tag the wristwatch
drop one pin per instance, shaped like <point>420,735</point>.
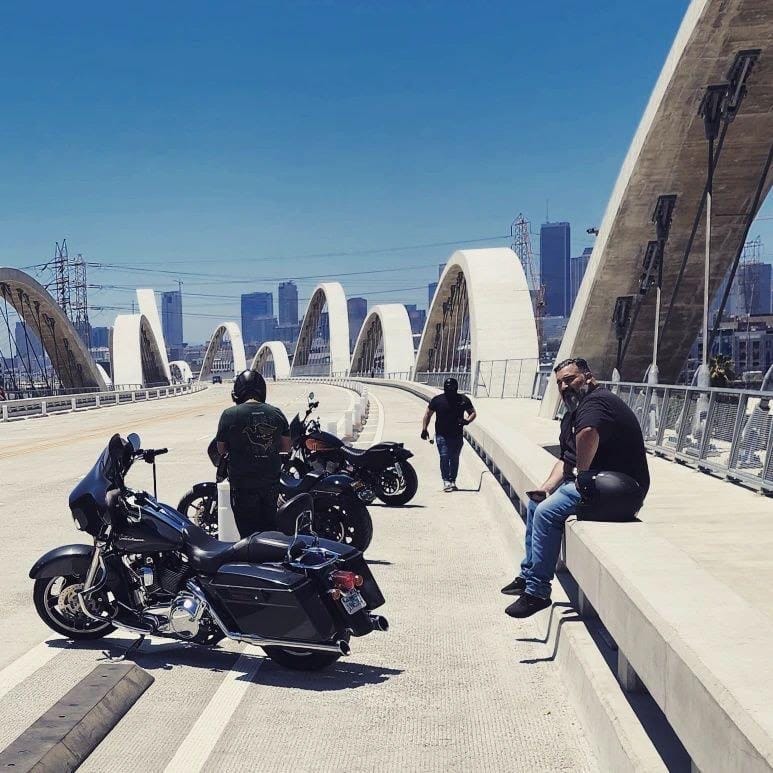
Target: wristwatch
<point>575,472</point>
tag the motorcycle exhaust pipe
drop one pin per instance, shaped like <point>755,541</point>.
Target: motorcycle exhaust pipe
<point>379,623</point>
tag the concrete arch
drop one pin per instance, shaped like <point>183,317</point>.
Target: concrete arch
<point>67,353</point>
<point>271,360</point>
<point>135,355</point>
<point>323,342</point>
<point>496,323</point>
<point>668,155</point>
<point>146,299</point>
<point>385,342</point>
<point>237,348</point>
<point>181,371</point>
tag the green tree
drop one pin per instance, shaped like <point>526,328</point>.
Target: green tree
<point>721,371</point>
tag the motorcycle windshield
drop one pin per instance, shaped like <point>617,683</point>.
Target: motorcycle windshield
<point>106,474</point>
<point>296,427</point>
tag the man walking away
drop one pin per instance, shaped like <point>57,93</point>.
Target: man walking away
<point>253,433</point>
<point>450,421</point>
<point>599,432</point>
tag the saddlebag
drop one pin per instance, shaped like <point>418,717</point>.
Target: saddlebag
<point>271,602</point>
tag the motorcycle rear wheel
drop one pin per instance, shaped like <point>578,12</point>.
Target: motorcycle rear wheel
<point>401,495</point>
<point>347,521</point>
<point>302,660</point>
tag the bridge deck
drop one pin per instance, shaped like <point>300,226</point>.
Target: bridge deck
<point>447,688</point>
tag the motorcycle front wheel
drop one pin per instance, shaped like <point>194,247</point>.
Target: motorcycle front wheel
<point>200,509</point>
<point>345,520</point>
<point>56,602</point>
<point>395,492</point>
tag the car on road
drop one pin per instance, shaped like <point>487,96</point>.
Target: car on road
<point>217,379</point>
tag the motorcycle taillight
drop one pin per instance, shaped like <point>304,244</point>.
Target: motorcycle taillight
<point>346,580</point>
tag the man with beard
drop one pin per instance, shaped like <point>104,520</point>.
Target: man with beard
<point>450,421</point>
<point>598,432</point>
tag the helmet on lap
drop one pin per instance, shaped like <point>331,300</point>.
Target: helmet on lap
<point>608,496</point>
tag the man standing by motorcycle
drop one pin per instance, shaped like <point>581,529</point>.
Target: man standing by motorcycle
<point>450,421</point>
<point>253,434</point>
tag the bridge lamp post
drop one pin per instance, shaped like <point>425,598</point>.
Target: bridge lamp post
<point>712,109</point>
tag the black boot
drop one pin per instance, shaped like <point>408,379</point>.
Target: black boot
<point>527,605</point>
<point>515,588</point>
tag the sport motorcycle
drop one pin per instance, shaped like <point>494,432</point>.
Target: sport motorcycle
<point>151,571</point>
<point>380,472</point>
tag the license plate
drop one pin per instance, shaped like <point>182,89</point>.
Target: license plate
<point>353,601</point>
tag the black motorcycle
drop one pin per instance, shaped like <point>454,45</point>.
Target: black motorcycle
<point>151,571</point>
<point>339,514</point>
<point>381,471</point>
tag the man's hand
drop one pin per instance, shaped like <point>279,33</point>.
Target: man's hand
<point>424,434</point>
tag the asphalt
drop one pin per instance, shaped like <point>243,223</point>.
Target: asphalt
<point>454,685</point>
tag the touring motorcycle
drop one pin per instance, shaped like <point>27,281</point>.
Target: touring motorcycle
<point>151,571</point>
<point>339,514</point>
<point>381,471</point>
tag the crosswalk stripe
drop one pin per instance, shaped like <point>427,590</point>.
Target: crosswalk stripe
<point>23,667</point>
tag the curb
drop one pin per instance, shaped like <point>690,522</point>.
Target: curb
<point>62,738</point>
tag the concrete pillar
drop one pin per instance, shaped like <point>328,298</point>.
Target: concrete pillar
<point>348,424</point>
<point>43,408</point>
<point>5,413</point>
<point>117,398</point>
<point>134,397</point>
<point>97,402</point>
<point>332,427</point>
<point>626,675</point>
<point>72,403</point>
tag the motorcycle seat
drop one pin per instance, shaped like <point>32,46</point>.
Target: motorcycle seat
<point>349,451</point>
<point>207,555</point>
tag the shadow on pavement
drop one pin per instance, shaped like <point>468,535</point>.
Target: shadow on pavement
<point>167,655</point>
<point>575,618</point>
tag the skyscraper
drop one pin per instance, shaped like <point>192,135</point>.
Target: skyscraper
<point>256,306</point>
<point>358,310</point>
<point>418,318</point>
<point>172,317</point>
<point>288,304</point>
<point>753,281</point>
<point>577,268</point>
<point>431,287</point>
<point>28,345</point>
<point>554,247</point>
<point>100,337</point>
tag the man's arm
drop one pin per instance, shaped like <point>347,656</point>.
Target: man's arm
<point>587,444</point>
<point>555,479</point>
<point>222,433</point>
<point>425,423</point>
<point>222,448</point>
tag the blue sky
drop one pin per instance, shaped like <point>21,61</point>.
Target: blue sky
<point>244,139</point>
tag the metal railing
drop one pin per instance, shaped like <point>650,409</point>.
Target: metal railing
<point>437,379</point>
<point>506,378</point>
<point>11,410</point>
<point>28,392</point>
<point>725,431</point>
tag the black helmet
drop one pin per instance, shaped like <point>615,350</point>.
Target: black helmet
<point>249,384</point>
<point>608,496</point>
<point>450,385</point>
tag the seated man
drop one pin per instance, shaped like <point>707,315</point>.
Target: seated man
<point>598,432</point>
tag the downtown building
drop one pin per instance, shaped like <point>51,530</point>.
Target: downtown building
<point>358,310</point>
<point>554,247</point>
<point>289,326</point>
<point>172,318</point>
<point>258,321</point>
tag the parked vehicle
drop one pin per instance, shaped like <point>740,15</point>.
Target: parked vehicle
<point>152,571</point>
<point>339,514</point>
<point>381,471</point>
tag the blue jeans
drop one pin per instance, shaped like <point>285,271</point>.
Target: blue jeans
<point>449,448</point>
<point>544,529</point>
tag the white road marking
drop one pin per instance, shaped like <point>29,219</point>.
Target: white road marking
<point>22,668</point>
<point>204,437</point>
<point>380,424</point>
<point>195,749</point>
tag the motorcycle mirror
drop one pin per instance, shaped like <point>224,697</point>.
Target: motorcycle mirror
<point>134,441</point>
<point>311,395</point>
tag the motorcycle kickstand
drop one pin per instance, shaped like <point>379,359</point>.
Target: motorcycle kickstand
<point>132,648</point>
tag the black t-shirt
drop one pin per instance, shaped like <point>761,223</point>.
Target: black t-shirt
<point>621,445</point>
<point>448,413</point>
<point>252,431</point>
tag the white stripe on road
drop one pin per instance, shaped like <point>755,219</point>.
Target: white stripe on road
<point>25,666</point>
<point>194,751</point>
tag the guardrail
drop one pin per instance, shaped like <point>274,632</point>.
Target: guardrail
<point>506,378</point>
<point>725,431</point>
<point>351,423</point>
<point>36,392</point>
<point>437,379</point>
<point>11,410</point>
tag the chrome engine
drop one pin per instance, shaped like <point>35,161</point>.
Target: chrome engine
<point>185,615</point>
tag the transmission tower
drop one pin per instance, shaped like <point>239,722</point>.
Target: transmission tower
<point>59,281</point>
<point>520,232</point>
<point>80,309</point>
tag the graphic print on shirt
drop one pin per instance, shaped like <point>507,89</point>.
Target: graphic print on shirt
<point>260,434</point>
